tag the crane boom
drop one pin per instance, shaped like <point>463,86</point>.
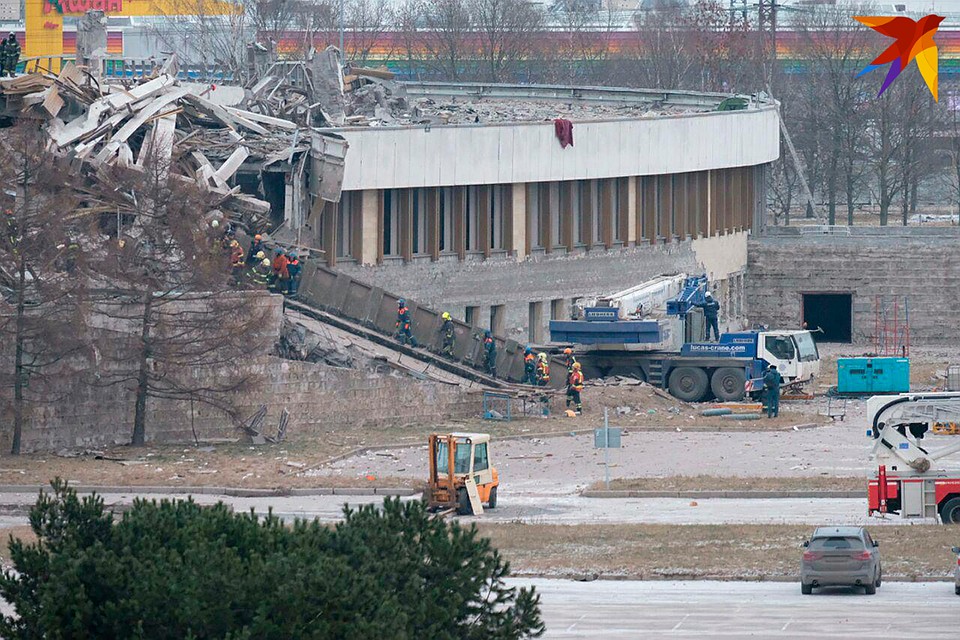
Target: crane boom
<point>894,417</point>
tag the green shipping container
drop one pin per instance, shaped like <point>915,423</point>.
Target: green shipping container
<point>873,375</point>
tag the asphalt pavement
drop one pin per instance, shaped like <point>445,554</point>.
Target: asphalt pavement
<point>560,509</point>
<point>701,609</point>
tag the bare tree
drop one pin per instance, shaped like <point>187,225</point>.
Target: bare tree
<point>164,280</point>
<point>447,38</point>
<point>40,272</point>
<point>507,30</point>
<point>208,35</point>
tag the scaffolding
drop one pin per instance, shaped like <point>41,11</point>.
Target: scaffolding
<point>891,335</point>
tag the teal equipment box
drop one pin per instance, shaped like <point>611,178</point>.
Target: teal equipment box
<point>873,375</point>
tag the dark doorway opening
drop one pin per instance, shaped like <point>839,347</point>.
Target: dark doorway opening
<point>832,313</point>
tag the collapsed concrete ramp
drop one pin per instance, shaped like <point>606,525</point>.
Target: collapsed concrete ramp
<point>371,313</point>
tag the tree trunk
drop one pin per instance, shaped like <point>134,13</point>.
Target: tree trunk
<point>143,382</point>
<point>18,367</point>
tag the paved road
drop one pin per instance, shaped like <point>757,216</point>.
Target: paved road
<point>630,609</point>
<point>567,509</point>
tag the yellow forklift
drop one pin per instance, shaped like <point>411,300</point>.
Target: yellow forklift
<point>462,477</point>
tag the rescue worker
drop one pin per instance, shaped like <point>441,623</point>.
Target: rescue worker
<point>404,335</point>
<point>711,311</point>
<point>569,360</point>
<point>236,260</point>
<point>11,55</point>
<point>255,247</point>
<point>543,370</point>
<point>574,387</point>
<point>771,386</point>
<point>448,335</point>
<point>280,272</point>
<point>293,270</point>
<point>260,273</point>
<point>529,367</point>
<point>489,353</point>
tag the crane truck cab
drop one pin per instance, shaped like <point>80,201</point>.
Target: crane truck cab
<point>462,476</point>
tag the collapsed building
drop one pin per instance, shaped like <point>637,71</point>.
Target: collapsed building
<point>502,204</point>
<point>462,197</point>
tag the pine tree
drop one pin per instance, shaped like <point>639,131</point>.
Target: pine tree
<point>174,569</point>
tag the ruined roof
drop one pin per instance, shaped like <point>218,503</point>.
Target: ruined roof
<point>394,103</point>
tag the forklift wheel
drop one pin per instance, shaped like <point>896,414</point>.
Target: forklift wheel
<point>463,503</point>
<point>492,502</point>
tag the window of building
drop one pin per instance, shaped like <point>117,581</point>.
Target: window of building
<point>391,222</point>
<point>418,220</point>
<point>445,204</point>
<point>495,216</point>
<point>344,235</point>
<point>534,216</point>
<point>556,224</point>
<point>535,322</point>
<point>618,189</point>
<point>497,318</point>
<point>577,188</point>
<point>470,315</point>
<point>471,197</point>
<point>596,210</point>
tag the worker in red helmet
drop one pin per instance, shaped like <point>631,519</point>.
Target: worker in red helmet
<point>255,247</point>
<point>569,360</point>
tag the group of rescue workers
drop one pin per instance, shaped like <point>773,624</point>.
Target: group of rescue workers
<point>9,55</point>
<point>253,267</point>
<point>536,367</point>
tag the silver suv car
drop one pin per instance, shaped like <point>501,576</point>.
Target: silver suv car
<point>840,556</point>
<point>956,572</point>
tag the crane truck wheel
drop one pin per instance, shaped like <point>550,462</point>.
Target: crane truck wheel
<point>492,502</point>
<point>463,503</point>
<point>950,512</point>
<point>689,384</point>
<point>727,383</point>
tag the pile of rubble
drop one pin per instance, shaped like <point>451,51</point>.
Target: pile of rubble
<point>158,120</point>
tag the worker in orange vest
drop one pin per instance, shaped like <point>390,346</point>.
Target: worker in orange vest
<point>404,333</point>
<point>529,367</point>
<point>569,359</point>
<point>543,370</point>
<point>574,387</point>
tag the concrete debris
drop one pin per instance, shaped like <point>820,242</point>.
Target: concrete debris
<point>157,118</point>
<point>376,101</point>
<point>299,343</point>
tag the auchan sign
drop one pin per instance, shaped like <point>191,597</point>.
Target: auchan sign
<point>82,6</point>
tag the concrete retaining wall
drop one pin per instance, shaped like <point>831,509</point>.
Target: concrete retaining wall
<point>917,263</point>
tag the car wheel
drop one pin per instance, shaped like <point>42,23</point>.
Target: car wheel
<point>492,502</point>
<point>806,589</point>
<point>870,589</point>
<point>956,589</point>
<point>950,513</point>
<point>879,578</point>
<point>464,508</point>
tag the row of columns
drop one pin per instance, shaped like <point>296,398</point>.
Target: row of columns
<point>653,209</point>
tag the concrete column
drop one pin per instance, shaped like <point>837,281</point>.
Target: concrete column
<point>631,212</point>
<point>369,226</point>
<point>518,223</point>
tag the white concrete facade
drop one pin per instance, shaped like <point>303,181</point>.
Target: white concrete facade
<point>501,153</point>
